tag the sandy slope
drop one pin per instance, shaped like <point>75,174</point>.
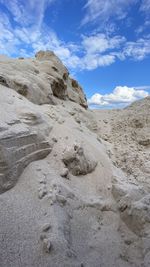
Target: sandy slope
<point>86,202</point>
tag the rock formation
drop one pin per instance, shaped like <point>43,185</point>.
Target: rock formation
<point>41,79</point>
<point>74,183</point>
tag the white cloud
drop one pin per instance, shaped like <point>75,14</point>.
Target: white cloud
<point>27,13</point>
<point>29,23</point>
<point>121,95</point>
<point>103,10</point>
<point>145,26</point>
<point>19,40</point>
<point>145,6</point>
<point>100,43</point>
<point>144,87</point>
<point>96,51</point>
<point>30,34</point>
<point>93,61</point>
<point>137,50</point>
<point>4,19</point>
<point>8,41</point>
<point>92,51</point>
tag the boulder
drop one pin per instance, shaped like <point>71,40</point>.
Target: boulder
<point>79,161</point>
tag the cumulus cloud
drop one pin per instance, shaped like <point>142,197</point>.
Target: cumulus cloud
<point>98,51</point>
<point>100,43</point>
<point>121,96</point>
<point>25,37</point>
<point>103,50</point>
<point>82,56</point>
<point>93,61</point>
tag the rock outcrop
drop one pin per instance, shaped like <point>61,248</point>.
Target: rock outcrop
<point>21,139</point>
<point>42,80</point>
<point>74,183</point>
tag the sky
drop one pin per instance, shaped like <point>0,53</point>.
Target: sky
<point>105,44</point>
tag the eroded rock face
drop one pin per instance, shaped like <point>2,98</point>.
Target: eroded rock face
<point>76,94</point>
<point>21,140</point>
<point>59,88</point>
<point>42,80</point>
<point>16,152</point>
<point>78,161</point>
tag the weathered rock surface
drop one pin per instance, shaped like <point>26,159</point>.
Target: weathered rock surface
<point>42,79</point>
<point>21,140</point>
<point>79,179</point>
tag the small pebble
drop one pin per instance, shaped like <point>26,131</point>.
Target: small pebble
<point>42,236</point>
<point>64,173</point>
<point>72,113</point>
<point>70,254</point>
<point>54,139</point>
<point>78,120</point>
<point>42,180</point>
<point>42,192</point>
<point>128,242</point>
<point>51,202</point>
<point>61,199</point>
<point>47,245</point>
<point>46,227</point>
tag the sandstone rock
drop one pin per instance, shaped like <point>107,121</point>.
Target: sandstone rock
<point>42,55</point>
<point>78,161</point>
<point>17,151</point>
<point>133,203</point>
<point>75,93</point>
<point>137,216</point>
<point>41,80</point>
<point>19,144</point>
<point>102,217</point>
<point>59,88</point>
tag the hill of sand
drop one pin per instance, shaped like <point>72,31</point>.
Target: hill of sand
<point>74,183</point>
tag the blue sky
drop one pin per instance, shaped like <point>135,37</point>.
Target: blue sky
<point>104,43</point>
